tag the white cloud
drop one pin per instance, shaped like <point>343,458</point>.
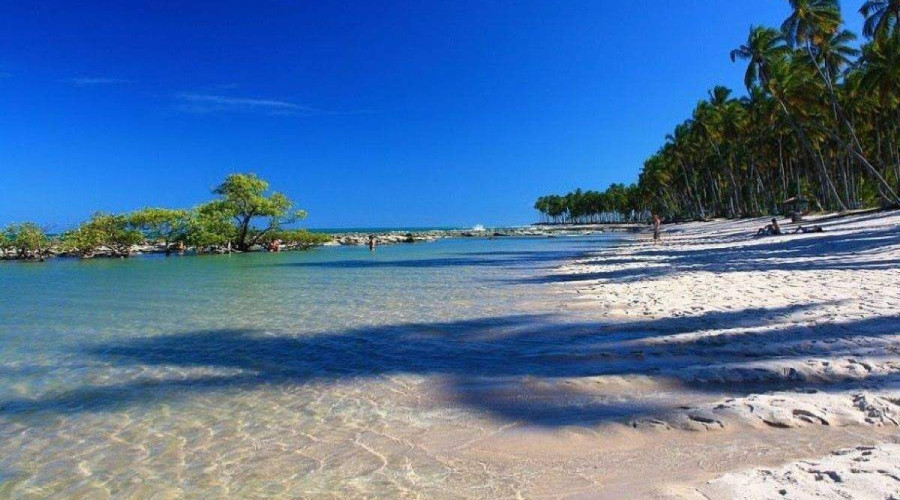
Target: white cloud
<point>91,81</point>
<point>207,103</point>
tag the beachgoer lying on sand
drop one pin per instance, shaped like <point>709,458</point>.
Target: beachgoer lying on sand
<point>772,228</point>
<point>804,230</point>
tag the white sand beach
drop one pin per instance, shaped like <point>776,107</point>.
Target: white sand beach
<point>784,349</point>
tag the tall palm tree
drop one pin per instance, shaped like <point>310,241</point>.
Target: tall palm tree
<point>880,80</point>
<point>835,53</point>
<point>820,119</point>
<point>812,24</point>
<point>679,147</point>
<point>763,46</point>
<point>811,20</point>
<point>882,18</point>
<point>769,66</point>
<point>881,76</point>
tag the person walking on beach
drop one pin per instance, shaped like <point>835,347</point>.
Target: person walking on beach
<point>656,223</point>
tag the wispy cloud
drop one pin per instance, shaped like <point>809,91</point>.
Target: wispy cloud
<point>208,103</point>
<point>93,81</point>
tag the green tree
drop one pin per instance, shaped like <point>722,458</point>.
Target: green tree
<point>813,24</point>
<point>111,231</point>
<point>299,238</point>
<point>784,79</point>
<point>27,239</point>
<point>821,121</point>
<point>810,21</point>
<point>764,47</point>
<point>5,242</point>
<point>246,198</point>
<point>209,226</point>
<point>882,18</point>
<point>161,224</point>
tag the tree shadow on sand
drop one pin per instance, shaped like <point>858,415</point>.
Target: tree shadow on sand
<point>777,253</point>
<point>518,368</point>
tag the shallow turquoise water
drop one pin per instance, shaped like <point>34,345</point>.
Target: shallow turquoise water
<point>295,374</point>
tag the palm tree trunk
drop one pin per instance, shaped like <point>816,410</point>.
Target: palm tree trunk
<point>856,146</point>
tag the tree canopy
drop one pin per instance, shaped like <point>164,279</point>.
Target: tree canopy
<point>26,239</point>
<point>246,198</point>
<point>245,213</point>
<point>820,121</point>
<point>161,224</point>
<point>103,230</point>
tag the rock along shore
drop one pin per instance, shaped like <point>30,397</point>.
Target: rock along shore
<point>400,236</point>
<point>359,238</point>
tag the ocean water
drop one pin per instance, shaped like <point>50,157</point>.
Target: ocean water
<point>332,373</point>
<point>372,230</point>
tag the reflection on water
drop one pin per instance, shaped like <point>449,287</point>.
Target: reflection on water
<point>337,372</point>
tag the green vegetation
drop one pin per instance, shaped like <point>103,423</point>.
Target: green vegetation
<point>112,231</point>
<point>244,214</point>
<point>209,228</point>
<point>161,224</point>
<point>591,206</point>
<point>25,241</point>
<point>821,121</point>
<point>243,197</point>
<point>300,238</point>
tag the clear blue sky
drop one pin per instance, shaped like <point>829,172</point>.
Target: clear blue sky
<point>411,114</point>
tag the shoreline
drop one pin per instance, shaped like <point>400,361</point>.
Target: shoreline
<point>360,238</point>
<point>535,230</point>
<point>712,365</point>
<point>785,338</point>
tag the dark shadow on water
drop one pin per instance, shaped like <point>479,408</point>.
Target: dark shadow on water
<point>531,259</point>
<point>512,367</point>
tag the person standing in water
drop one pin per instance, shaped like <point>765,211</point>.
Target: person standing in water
<point>371,243</point>
<point>656,223</point>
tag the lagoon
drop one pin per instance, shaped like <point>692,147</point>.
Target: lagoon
<point>332,372</point>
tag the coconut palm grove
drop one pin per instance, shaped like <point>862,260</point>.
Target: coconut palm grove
<point>820,124</point>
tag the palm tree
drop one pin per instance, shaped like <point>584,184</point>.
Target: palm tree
<point>780,76</point>
<point>834,53</point>
<point>820,119</point>
<point>813,24</point>
<point>880,80</point>
<point>882,18</point>
<point>764,45</point>
<point>679,146</point>
<point>811,20</point>
<point>881,62</point>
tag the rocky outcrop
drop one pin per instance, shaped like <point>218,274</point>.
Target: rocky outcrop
<point>394,237</point>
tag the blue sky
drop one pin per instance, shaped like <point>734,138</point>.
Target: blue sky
<point>408,114</point>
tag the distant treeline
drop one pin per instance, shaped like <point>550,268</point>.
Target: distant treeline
<point>820,123</point>
<point>619,203</point>
<point>244,216</point>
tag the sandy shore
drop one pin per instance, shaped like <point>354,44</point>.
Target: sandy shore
<point>784,352</point>
<point>714,365</point>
